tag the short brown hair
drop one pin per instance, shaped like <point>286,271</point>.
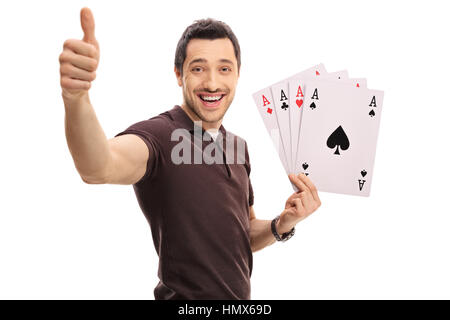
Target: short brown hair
<point>205,29</point>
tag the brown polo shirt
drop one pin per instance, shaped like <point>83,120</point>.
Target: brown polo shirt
<point>198,213</point>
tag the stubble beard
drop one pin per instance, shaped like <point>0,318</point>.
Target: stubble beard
<point>198,112</point>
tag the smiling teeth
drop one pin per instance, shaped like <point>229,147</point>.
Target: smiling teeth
<point>208,98</point>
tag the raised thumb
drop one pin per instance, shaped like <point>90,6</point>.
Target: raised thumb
<point>88,26</point>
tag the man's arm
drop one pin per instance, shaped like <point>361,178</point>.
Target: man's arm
<point>260,233</point>
<point>299,206</point>
<point>120,160</point>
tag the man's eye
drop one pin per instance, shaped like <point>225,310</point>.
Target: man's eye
<point>226,69</point>
<point>196,69</point>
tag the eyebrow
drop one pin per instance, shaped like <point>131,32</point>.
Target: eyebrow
<point>203,60</point>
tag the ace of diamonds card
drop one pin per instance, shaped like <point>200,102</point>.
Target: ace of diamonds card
<point>338,136</point>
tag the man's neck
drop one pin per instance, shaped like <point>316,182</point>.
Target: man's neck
<point>206,125</point>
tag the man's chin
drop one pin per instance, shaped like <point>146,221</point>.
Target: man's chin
<point>209,114</point>
<point>211,117</point>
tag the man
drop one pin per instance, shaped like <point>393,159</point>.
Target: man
<point>201,215</point>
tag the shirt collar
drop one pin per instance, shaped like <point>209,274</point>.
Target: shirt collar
<point>183,120</point>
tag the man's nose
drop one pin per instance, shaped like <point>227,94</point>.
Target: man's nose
<point>211,81</point>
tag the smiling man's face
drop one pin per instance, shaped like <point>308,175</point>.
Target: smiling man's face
<point>210,75</point>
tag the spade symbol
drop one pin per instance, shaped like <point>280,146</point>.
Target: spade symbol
<point>305,166</point>
<point>372,113</point>
<point>312,106</point>
<point>363,173</point>
<point>284,106</point>
<point>338,139</point>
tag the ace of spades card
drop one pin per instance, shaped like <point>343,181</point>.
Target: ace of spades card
<point>338,136</point>
<point>296,88</point>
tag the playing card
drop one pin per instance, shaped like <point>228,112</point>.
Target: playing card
<point>359,82</point>
<point>337,75</point>
<point>266,106</point>
<point>296,88</point>
<point>280,94</point>
<point>338,136</point>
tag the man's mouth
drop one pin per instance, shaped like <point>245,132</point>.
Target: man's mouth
<point>211,100</point>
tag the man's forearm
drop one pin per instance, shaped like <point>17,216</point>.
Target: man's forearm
<point>85,137</point>
<point>261,234</point>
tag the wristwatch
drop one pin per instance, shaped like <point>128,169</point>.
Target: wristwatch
<point>285,236</point>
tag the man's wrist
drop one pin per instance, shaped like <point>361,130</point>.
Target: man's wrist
<point>284,236</point>
<point>73,101</point>
<point>282,228</point>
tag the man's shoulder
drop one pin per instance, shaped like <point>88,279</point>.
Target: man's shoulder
<point>161,120</point>
<point>155,128</point>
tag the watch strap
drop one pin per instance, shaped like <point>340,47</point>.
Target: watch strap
<point>285,236</point>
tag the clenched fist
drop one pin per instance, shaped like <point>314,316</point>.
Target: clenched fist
<point>79,60</point>
<point>300,204</point>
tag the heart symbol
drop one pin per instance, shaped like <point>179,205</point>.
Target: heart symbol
<point>305,166</point>
<point>363,173</point>
<point>299,102</point>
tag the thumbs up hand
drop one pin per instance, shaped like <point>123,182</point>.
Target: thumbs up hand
<point>79,60</point>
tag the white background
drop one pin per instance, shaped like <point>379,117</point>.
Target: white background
<point>61,238</point>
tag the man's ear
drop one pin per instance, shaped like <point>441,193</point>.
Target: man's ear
<point>178,75</point>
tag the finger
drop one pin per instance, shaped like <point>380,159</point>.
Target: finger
<point>297,203</point>
<point>74,84</point>
<point>73,72</point>
<point>307,199</point>
<point>88,26</point>
<point>81,47</point>
<point>310,186</point>
<point>289,200</point>
<point>83,62</point>
<point>298,183</point>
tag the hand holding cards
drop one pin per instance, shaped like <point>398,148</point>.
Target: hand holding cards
<point>326,126</point>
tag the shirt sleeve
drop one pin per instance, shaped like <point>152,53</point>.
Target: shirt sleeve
<point>142,129</point>
<point>250,193</point>
<point>248,168</point>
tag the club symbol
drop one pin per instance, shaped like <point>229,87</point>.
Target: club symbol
<point>284,106</point>
<point>363,173</point>
<point>372,113</point>
<point>305,166</point>
<point>312,106</point>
